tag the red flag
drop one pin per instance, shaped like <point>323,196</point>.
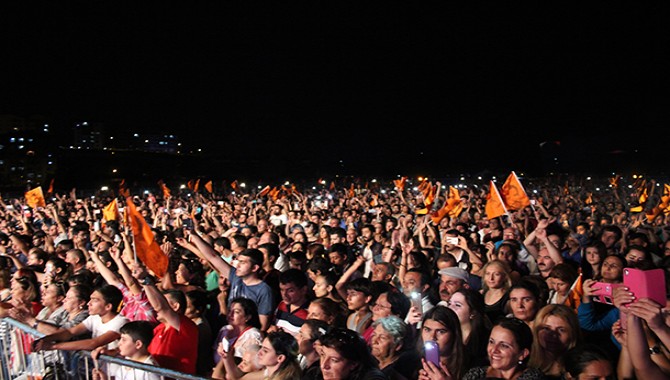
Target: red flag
<point>494,203</point>
<point>35,197</point>
<point>146,247</point>
<point>513,194</point>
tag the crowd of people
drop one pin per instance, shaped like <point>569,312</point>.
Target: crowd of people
<point>347,283</point>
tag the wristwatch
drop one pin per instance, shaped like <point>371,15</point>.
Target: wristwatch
<point>148,280</point>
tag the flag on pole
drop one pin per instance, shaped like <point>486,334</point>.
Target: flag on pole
<point>208,187</point>
<point>111,211</point>
<point>146,247</point>
<point>513,193</point>
<point>35,197</point>
<point>495,206</point>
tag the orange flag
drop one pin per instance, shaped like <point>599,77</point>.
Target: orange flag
<point>351,191</point>
<point>190,184</point>
<point>332,185</point>
<point>264,191</point>
<point>196,185</point>
<point>662,206</point>
<point>375,200</point>
<point>111,211</point>
<point>614,181</point>
<point>495,206</point>
<point>452,206</point>
<point>513,194</point>
<point>589,199</point>
<point>35,197</point>
<point>146,247</point>
<point>400,184</point>
<point>208,187</point>
<point>642,200</point>
<point>51,186</point>
<point>429,195</point>
<point>166,191</point>
<point>274,193</point>
<point>123,190</point>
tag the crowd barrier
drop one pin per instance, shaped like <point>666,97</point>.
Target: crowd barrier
<point>21,363</point>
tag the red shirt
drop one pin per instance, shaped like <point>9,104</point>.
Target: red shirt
<point>176,350</point>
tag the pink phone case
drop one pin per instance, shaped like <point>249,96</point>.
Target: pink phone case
<point>646,283</point>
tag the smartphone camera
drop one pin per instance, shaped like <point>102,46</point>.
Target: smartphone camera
<point>431,352</point>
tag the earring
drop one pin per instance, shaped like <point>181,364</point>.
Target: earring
<point>520,362</point>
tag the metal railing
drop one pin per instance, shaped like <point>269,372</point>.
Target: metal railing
<point>21,363</point>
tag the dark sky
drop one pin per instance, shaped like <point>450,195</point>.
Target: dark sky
<point>449,88</point>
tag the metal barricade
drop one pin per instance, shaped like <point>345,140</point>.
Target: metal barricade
<point>20,363</point>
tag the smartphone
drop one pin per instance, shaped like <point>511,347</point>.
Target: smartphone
<point>452,240</point>
<point>415,298</point>
<point>646,283</point>
<point>431,352</point>
<point>604,292</point>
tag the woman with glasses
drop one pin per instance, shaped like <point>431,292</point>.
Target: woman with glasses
<point>440,325</point>
<point>345,355</point>
<point>392,302</point>
<point>508,350</point>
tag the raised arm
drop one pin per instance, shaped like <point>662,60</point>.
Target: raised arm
<point>209,254</point>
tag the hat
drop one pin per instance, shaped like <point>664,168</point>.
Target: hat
<point>455,272</point>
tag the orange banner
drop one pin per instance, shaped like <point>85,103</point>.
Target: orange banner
<point>146,247</point>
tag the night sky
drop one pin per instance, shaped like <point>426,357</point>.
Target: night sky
<point>384,87</point>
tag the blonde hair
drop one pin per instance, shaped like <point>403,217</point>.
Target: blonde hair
<point>541,358</point>
<point>507,284</point>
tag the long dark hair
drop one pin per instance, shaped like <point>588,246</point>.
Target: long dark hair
<point>449,319</point>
